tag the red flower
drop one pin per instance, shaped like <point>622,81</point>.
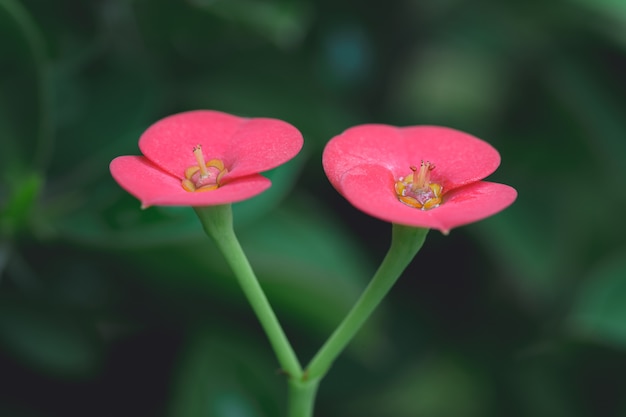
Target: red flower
<point>421,176</point>
<point>205,158</point>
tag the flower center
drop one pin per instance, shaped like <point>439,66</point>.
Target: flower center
<point>416,190</point>
<point>205,176</point>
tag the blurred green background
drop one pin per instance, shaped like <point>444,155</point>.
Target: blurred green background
<point>108,310</point>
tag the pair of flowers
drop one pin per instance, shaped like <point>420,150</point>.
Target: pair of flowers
<point>421,176</point>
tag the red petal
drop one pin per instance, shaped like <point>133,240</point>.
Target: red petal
<point>363,145</point>
<point>459,158</point>
<point>370,188</point>
<point>262,144</point>
<point>246,146</point>
<point>153,186</point>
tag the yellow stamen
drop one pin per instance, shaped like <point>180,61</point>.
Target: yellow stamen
<point>216,163</point>
<point>191,170</point>
<point>416,190</point>
<point>205,176</point>
<point>223,172</point>
<point>209,187</point>
<point>188,185</point>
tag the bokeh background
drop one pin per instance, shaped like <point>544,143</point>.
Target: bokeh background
<point>108,310</point>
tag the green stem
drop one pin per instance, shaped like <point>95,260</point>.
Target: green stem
<point>302,397</point>
<point>405,243</point>
<point>218,224</point>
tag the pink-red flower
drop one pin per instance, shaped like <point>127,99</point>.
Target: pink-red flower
<point>421,176</point>
<point>205,158</point>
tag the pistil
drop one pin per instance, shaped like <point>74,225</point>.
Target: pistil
<point>205,176</point>
<point>197,152</point>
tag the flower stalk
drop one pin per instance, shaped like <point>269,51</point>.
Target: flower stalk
<point>217,222</point>
<point>302,397</point>
<point>405,243</point>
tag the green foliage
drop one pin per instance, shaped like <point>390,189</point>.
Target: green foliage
<point>19,204</point>
<point>520,315</point>
<point>48,338</point>
<point>600,312</point>
<point>426,389</point>
<point>25,92</point>
<point>221,373</point>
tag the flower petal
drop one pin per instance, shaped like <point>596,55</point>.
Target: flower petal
<point>362,145</point>
<point>370,188</point>
<point>460,158</point>
<point>169,142</point>
<point>261,144</point>
<point>247,146</point>
<point>153,186</point>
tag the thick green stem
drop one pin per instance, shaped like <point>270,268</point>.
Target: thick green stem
<point>302,398</point>
<point>405,243</point>
<point>218,224</point>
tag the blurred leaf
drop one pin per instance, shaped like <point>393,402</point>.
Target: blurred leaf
<point>542,389</point>
<point>283,23</point>
<point>47,338</point>
<point>25,100</point>
<point>614,9</point>
<point>600,309</point>
<point>15,213</point>
<point>174,32</point>
<point>576,85</point>
<point>222,374</point>
<point>452,84</point>
<point>104,112</point>
<point>5,255</point>
<point>435,387</point>
<point>524,241</point>
<point>118,222</point>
